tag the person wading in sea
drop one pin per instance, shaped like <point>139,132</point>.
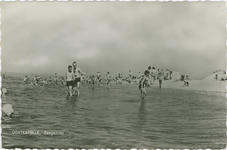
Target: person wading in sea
<point>77,77</point>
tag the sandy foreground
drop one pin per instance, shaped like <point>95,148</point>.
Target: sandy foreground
<point>200,85</point>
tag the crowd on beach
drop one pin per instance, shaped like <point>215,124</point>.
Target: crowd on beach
<point>75,76</point>
<point>38,80</point>
<point>220,75</point>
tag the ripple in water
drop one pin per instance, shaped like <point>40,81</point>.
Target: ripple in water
<point>114,118</point>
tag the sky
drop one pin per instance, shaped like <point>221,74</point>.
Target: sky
<point>46,37</point>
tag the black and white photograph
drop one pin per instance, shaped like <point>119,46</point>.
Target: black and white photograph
<point>113,75</point>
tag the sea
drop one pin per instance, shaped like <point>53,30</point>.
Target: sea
<point>44,117</point>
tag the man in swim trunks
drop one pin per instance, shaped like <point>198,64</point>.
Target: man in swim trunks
<point>77,77</point>
<point>69,80</point>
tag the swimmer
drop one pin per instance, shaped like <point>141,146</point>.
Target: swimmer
<point>186,81</point>
<point>77,77</point>
<point>45,81</point>
<point>153,75</point>
<point>62,81</point>
<point>169,77</point>
<point>150,78</point>
<point>130,76</point>
<point>35,80</point>
<point>25,79</point>
<point>56,80</point>
<point>108,78</point>
<point>160,77</point>
<point>38,78</point>
<point>119,79</point>
<point>98,78</point>
<point>143,85</point>
<point>69,80</point>
<point>116,79</point>
<point>92,83</point>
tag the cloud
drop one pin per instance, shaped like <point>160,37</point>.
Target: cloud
<point>117,36</point>
<point>86,54</point>
<point>34,62</point>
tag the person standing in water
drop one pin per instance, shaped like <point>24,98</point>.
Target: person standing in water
<point>143,84</point>
<point>77,77</point>
<point>98,78</point>
<point>62,81</point>
<point>108,78</point>
<point>150,78</point>
<point>161,76</point>
<point>56,79</point>
<point>130,76</point>
<point>69,80</point>
<point>153,74</point>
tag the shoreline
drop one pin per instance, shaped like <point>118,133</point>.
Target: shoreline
<point>196,85</point>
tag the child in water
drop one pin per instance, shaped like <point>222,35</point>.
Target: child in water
<point>143,83</point>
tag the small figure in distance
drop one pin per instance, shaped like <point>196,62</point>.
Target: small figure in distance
<point>108,78</point>
<point>143,83</point>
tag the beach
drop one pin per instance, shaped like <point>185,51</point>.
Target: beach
<point>199,85</point>
<point>77,75</point>
<point>114,118</point>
